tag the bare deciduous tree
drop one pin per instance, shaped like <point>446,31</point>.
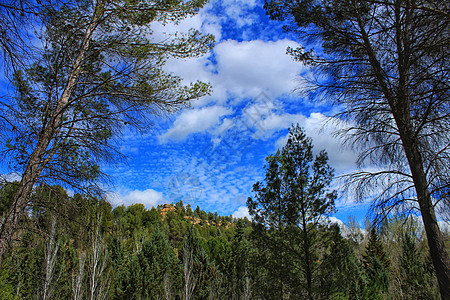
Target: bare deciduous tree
<point>78,277</point>
<point>189,266</point>
<point>97,267</point>
<point>50,261</point>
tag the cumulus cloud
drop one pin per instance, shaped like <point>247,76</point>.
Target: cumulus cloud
<point>193,121</point>
<point>318,127</point>
<point>323,135</point>
<point>242,70</point>
<point>237,10</point>
<point>241,212</point>
<point>150,198</point>
<point>247,68</point>
<point>267,125</point>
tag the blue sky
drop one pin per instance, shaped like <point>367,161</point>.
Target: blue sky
<point>212,153</point>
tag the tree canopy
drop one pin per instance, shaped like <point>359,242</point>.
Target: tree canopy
<point>287,210</point>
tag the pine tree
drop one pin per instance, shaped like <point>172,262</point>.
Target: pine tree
<point>376,264</point>
<point>416,279</point>
<point>157,261</point>
<point>97,72</point>
<point>288,208</point>
<point>240,269</point>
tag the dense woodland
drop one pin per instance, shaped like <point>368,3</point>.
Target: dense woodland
<point>88,250</point>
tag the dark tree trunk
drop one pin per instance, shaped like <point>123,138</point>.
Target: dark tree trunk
<point>21,197</point>
<point>438,252</point>
<point>39,157</point>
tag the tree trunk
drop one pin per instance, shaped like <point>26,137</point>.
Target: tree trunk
<point>37,160</point>
<point>77,278</point>
<point>400,106</point>
<point>167,286</point>
<point>190,278</point>
<point>247,289</point>
<point>20,201</point>
<point>438,253</point>
<point>50,261</point>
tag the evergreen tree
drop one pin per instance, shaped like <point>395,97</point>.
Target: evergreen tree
<point>289,206</point>
<point>240,271</point>
<point>376,264</point>
<point>120,276</point>
<point>416,279</point>
<point>157,264</point>
<point>189,211</point>
<point>341,275</point>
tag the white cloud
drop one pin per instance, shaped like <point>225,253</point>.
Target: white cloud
<point>270,124</point>
<point>318,127</point>
<point>282,140</point>
<point>10,177</point>
<point>245,69</point>
<point>242,70</point>
<point>150,198</point>
<point>322,133</point>
<point>193,121</point>
<point>337,221</point>
<point>237,10</point>
<point>241,212</point>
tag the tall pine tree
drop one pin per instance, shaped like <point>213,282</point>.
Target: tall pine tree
<point>288,208</point>
<point>376,264</point>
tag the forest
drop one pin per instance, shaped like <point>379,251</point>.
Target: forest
<point>77,76</point>
<point>176,252</point>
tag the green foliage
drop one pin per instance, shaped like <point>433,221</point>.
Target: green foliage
<point>7,288</point>
<point>148,254</point>
<point>287,210</point>
<point>340,273</point>
<point>416,276</point>
<point>153,268</point>
<point>385,63</point>
<point>295,191</point>
<point>376,265</point>
<point>97,71</point>
<point>7,192</point>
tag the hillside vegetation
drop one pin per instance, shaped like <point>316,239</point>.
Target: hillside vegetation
<point>83,248</point>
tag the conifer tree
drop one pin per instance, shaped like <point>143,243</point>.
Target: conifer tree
<point>157,262</point>
<point>240,269</point>
<point>416,278</point>
<point>288,207</point>
<point>376,264</point>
